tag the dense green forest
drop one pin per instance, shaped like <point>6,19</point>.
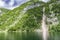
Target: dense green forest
<point>29,15</point>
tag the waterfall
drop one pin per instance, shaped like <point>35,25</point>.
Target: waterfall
<point>44,26</point>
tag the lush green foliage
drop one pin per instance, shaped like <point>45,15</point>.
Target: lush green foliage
<point>16,19</point>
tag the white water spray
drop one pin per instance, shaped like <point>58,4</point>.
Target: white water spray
<point>44,26</point>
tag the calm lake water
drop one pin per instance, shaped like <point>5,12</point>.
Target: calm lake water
<point>27,36</point>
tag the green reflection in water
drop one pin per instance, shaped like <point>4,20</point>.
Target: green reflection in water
<point>54,36</point>
<point>28,36</point>
<point>20,36</point>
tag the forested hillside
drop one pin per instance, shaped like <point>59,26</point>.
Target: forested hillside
<point>28,16</point>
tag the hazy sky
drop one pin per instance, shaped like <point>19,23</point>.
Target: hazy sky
<point>11,4</point>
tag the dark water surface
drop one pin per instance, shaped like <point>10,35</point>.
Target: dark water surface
<point>27,36</point>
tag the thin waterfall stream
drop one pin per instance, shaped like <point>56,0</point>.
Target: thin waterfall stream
<point>44,26</point>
